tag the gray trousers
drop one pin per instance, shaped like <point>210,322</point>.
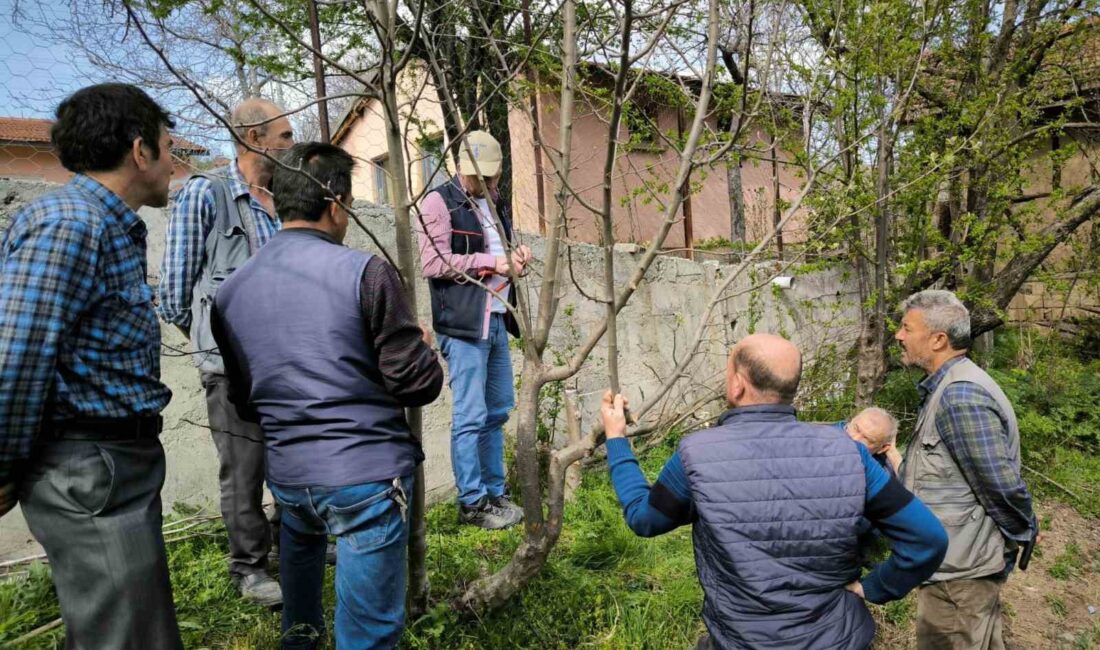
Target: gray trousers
<point>95,507</point>
<point>240,447</point>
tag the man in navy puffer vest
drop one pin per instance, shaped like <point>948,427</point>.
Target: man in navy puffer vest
<point>776,505</point>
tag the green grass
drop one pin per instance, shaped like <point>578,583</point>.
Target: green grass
<point>603,588</point>
<point>1070,564</point>
<point>1057,605</point>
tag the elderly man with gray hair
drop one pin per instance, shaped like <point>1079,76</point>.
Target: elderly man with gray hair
<point>964,463</point>
<point>221,218</point>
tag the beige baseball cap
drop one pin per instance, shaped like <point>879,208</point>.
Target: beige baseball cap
<point>485,150</point>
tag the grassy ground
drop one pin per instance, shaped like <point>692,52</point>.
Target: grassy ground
<point>606,588</point>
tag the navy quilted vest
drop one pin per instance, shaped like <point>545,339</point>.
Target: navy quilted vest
<point>779,503</point>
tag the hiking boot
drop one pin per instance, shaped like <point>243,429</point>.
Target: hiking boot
<point>503,501</point>
<point>261,589</point>
<point>485,514</point>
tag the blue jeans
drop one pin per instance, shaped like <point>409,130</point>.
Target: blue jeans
<point>372,535</point>
<point>480,373</point>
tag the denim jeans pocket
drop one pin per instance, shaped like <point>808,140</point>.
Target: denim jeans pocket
<point>368,524</point>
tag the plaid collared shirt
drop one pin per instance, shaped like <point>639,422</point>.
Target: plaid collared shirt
<point>193,214</point>
<point>972,426</point>
<point>78,335</point>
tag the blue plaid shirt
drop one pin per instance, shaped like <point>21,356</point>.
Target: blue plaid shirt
<point>78,335</point>
<point>972,426</point>
<point>193,215</point>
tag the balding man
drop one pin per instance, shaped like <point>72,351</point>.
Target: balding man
<point>219,220</point>
<point>877,430</point>
<point>776,505</point>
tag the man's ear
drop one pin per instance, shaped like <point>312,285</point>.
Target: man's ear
<point>736,387</point>
<point>140,153</point>
<point>939,341</point>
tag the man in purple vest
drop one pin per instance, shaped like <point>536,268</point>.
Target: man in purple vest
<point>775,505</point>
<point>321,347</point>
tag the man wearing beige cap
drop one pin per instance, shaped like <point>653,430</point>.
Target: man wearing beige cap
<point>460,241</point>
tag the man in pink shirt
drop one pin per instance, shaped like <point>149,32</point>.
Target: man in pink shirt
<point>459,242</point>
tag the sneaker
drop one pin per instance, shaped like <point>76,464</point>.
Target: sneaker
<point>261,589</point>
<point>503,501</point>
<point>487,515</point>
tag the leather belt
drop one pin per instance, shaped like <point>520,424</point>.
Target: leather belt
<point>133,428</point>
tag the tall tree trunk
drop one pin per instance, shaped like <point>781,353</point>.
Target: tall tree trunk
<point>737,198</point>
<point>777,213</point>
<point>871,364</point>
<point>408,264</point>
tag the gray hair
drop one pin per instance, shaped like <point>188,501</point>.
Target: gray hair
<point>891,422</point>
<point>943,312</point>
<point>252,113</point>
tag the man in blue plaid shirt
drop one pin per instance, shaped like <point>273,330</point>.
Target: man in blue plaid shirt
<point>80,389</point>
<point>964,463</point>
<point>219,220</point>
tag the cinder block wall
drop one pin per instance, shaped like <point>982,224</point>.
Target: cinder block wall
<point>654,332</point>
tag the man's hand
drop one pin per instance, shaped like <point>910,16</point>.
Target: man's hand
<point>893,456</point>
<point>427,333</point>
<point>521,256</point>
<point>612,413</point>
<point>856,588</point>
<point>502,267</point>
<point>7,498</point>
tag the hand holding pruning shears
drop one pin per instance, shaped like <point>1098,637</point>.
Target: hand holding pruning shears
<point>519,259</point>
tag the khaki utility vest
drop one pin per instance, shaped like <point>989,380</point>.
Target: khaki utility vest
<point>976,547</point>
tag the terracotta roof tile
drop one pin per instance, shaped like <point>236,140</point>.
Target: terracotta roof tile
<point>21,129</point>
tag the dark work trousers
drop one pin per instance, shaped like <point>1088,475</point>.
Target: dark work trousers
<point>95,507</point>
<point>240,447</point>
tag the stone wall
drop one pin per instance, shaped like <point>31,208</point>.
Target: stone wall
<point>655,329</point>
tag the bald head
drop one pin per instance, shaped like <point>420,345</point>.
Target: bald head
<point>763,369</point>
<point>875,428</point>
<point>254,113</point>
<point>262,132</point>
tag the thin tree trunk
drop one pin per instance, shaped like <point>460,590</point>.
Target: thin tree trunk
<point>607,234</point>
<point>777,212</point>
<point>385,14</point>
<point>737,198</point>
<point>871,363</point>
<point>541,530</point>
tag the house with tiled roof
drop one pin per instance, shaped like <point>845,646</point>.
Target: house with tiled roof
<point>26,152</point>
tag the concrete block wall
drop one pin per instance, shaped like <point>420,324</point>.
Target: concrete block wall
<point>655,330</point>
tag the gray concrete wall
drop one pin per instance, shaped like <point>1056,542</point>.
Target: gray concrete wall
<point>655,330</point>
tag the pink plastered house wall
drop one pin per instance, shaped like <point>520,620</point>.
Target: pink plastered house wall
<point>641,182</point>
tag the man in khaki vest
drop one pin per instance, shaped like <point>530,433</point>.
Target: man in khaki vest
<point>964,463</point>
